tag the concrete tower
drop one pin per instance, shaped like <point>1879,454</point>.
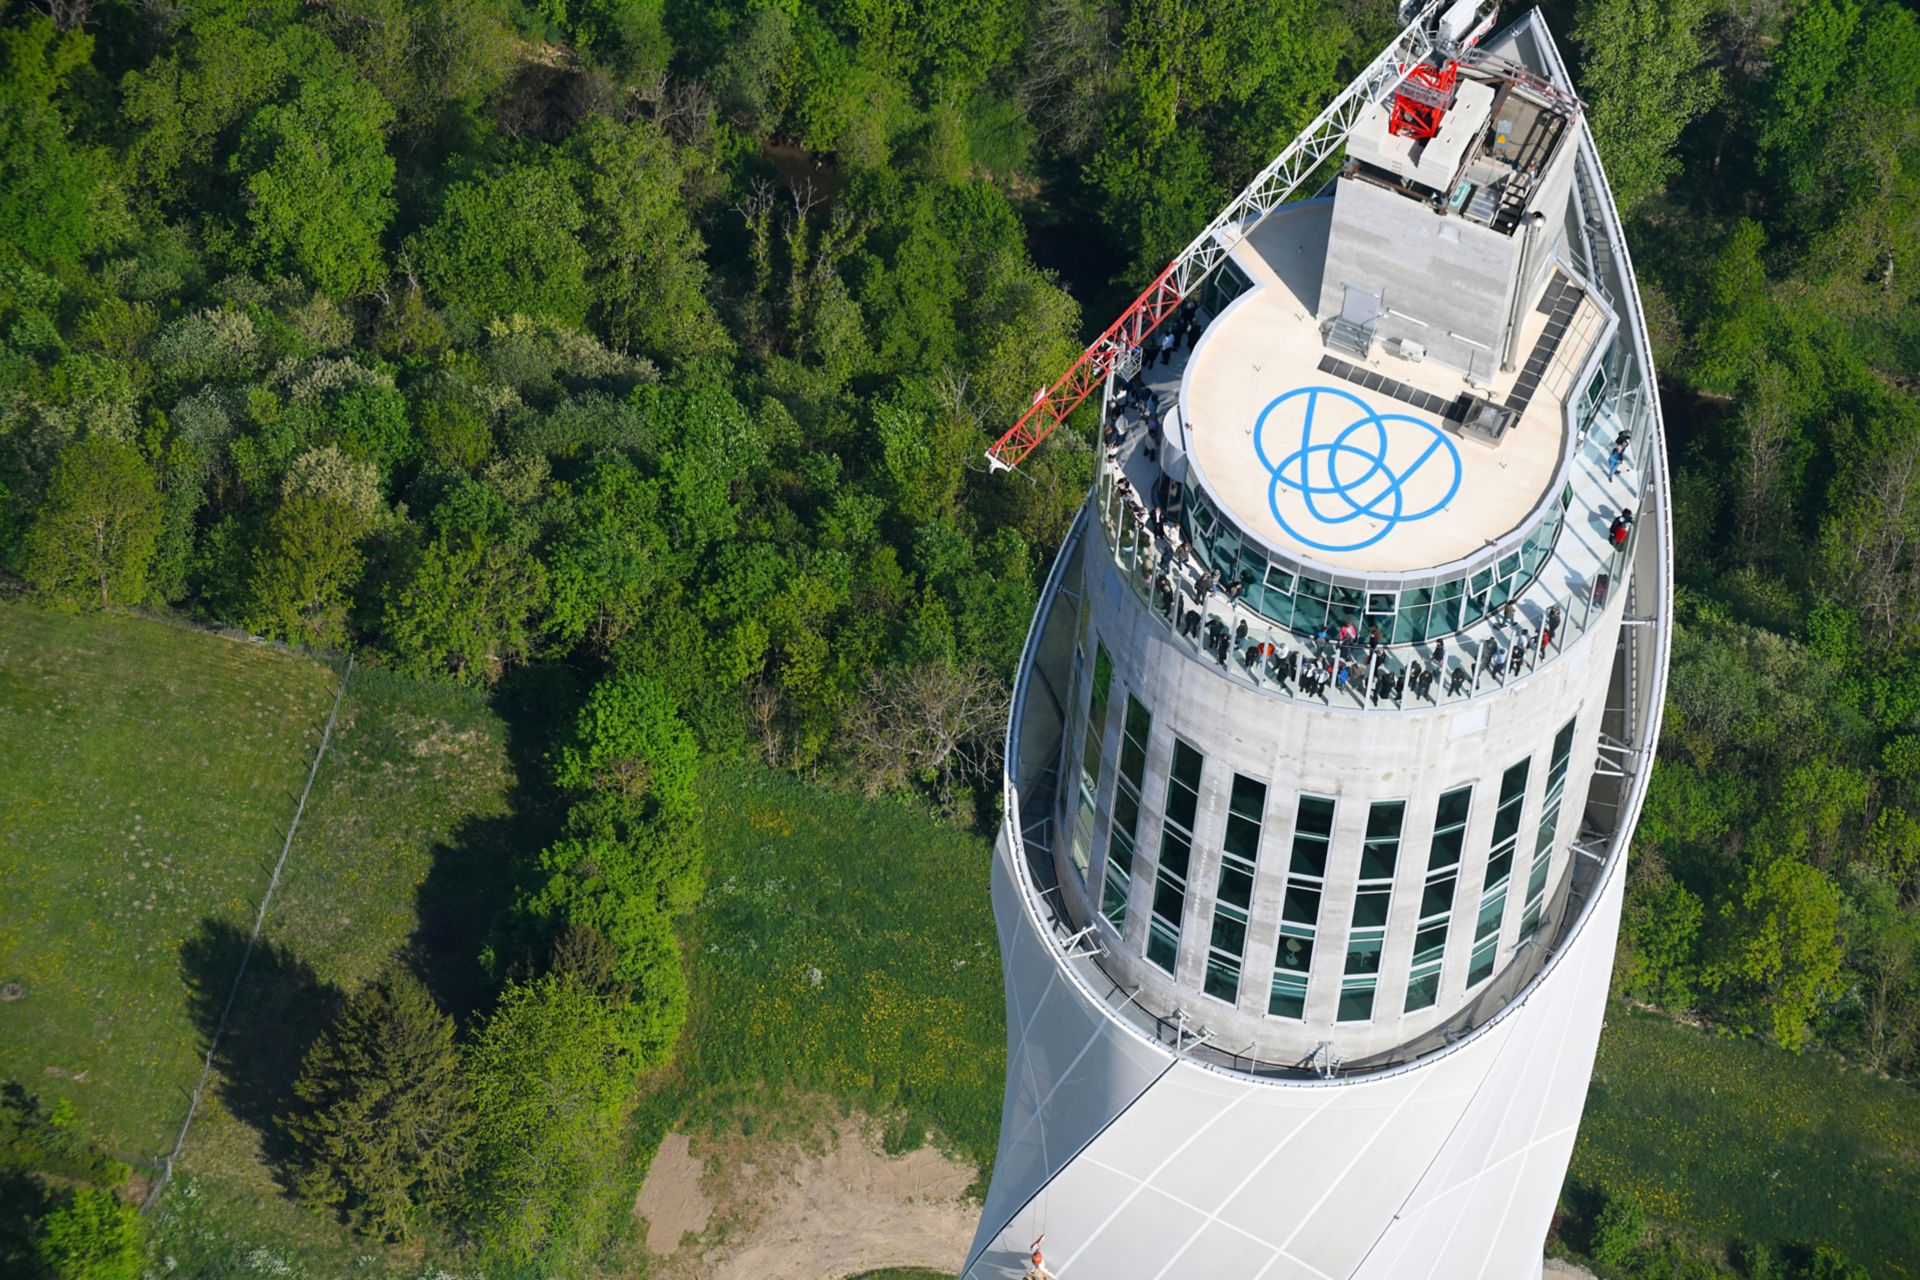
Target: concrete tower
<point>1307,943</point>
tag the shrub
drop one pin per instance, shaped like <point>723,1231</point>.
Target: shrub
<point>94,1236</point>
<point>1617,1230</point>
<point>1827,1263</point>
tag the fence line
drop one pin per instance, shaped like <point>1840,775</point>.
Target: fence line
<point>259,919</point>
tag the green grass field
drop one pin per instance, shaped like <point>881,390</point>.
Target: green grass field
<point>846,948</point>
<point>139,821</point>
<point>145,787</point>
<point>1735,1140</point>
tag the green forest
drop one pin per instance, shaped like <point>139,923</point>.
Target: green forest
<point>663,342</point>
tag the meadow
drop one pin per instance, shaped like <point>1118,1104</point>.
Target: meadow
<point>149,780</point>
<point>145,787</point>
<point>844,948</point>
<point>408,844</point>
<point>1727,1139</point>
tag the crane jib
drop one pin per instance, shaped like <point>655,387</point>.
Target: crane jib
<point>1271,188</point>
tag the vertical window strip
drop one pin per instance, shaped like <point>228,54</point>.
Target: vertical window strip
<point>1176,852</point>
<point>1367,931</point>
<point>1493,897</point>
<point>1233,899</point>
<point>1069,765</point>
<point>1300,907</point>
<point>1126,812</point>
<point>1549,828</point>
<point>1081,847</point>
<point>1436,898</point>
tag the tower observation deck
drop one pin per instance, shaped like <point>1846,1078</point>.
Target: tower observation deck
<point>1335,718</point>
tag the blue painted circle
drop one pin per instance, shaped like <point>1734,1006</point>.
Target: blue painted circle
<point>1354,471</point>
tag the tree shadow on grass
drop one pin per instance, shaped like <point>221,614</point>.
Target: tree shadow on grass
<point>24,1198</point>
<point>1580,1203</point>
<point>467,941</point>
<point>280,1010</point>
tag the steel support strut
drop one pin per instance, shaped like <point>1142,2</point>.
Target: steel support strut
<point>1270,189</point>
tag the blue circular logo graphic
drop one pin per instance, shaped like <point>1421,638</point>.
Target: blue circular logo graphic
<point>1355,465</point>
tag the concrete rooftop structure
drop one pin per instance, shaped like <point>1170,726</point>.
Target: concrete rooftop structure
<point>1257,399</point>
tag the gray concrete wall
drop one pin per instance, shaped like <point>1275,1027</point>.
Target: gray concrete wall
<point>1454,277</point>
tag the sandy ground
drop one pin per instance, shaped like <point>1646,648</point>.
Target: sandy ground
<point>759,1211</point>
<point>672,1203</point>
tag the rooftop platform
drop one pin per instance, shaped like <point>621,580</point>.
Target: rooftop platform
<point>1362,466</point>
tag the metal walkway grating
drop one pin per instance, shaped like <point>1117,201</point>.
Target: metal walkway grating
<point>1560,300</point>
<point>1451,410</point>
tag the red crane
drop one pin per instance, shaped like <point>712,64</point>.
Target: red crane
<point>1117,347</point>
<point>1423,100</point>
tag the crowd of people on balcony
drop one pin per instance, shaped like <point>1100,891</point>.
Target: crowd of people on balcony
<point>1336,657</point>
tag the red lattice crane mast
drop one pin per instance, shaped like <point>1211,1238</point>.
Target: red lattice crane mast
<point>1423,100</point>
<point>1459,28</point>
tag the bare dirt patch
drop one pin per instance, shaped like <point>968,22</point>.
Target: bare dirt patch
<point>671,1201</point>
<point>822,1210</point>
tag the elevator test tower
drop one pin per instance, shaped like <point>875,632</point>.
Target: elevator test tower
<point>1307,941</point>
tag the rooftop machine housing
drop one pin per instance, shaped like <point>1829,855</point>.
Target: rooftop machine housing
<point>1434,238</point>
<point>1438,285</point>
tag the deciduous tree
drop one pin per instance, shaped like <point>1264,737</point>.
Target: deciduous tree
<point>507,244</point>
<point>319,182</point>
<point>471,600</point>
<point>304,568</point>
<point>645,269</point>
<point>93,1236</point>
<point>549,1082</point>
<point>628,741</point>
<point>58,196</point>
<point>923,724</point>
<point>98,526</point>
<point>1779,949</point>
<point>1645,74</point>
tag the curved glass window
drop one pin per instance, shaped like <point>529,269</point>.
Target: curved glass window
<point>1080,847</point>
<point>1233,899</point>
<point>1549,827</point>
<point>1367,935</point>
<point>1436,898</point>
<point>1300,908</point>
<point>1405,614</point>
<point>1493,895</point>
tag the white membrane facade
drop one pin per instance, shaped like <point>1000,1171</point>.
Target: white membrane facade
<point>1307,937</point>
